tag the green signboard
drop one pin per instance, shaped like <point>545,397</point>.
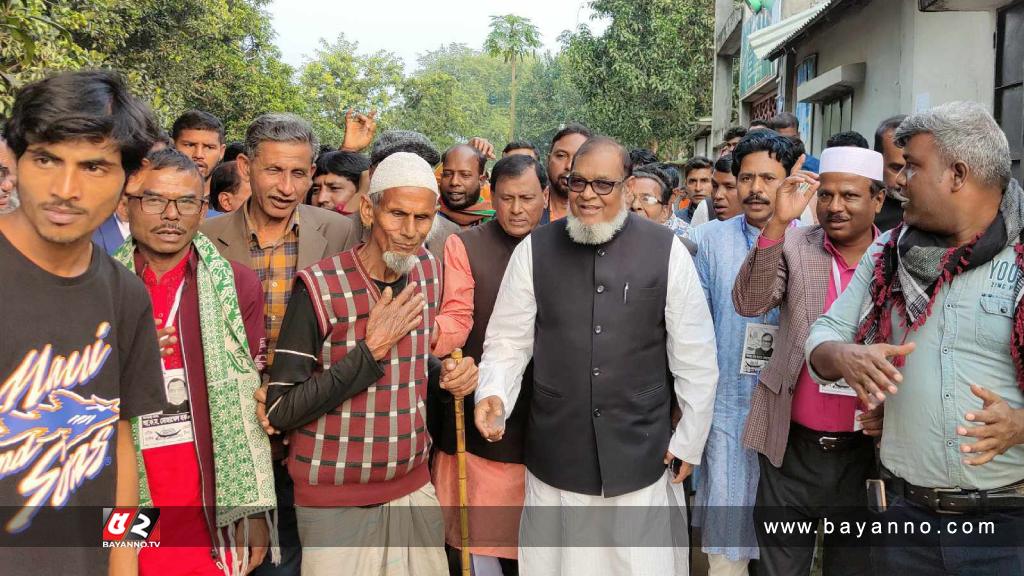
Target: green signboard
<point>754,71</point>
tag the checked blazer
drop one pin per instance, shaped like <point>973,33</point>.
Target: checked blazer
<point>793,275</point>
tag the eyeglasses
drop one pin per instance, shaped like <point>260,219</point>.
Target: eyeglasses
<point>646,199</point>
<point>158,204</point>
<point>603,187</point>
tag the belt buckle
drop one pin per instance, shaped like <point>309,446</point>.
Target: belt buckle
<point>828,443</point>
<point>937,506</point>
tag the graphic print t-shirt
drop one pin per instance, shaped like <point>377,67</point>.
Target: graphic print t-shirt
<point>76,355</point>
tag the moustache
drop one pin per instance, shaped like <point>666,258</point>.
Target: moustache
<point>755,199</point>
<point>62,206</point>
<point>162,229</point>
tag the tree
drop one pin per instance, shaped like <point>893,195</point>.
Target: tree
<point>339,78</point>
<point>512,38</point>
<point>457,93</point>
<point>647,79</point>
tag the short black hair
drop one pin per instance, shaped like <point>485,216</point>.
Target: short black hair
<point>514,166</point>
<point>735,132</point>
<point>784,150</point>
<point>570,129</point>
<point>785,120</point>
<point>348,165</point>
<point>480,158</point>
<point>599,141</point>
<point>223,178</point>
<point>656,172</point>
<point>849,138</point>
<point>89,105</point>
<point>232,150</point>
<point>197,120</point>
<point>170,158</point>
<point>724,164</point>
<point>887,125</point>
<point>696,163</point>
<point>759,122</point>
<point>671,172</point>
<point>642,156</point>
<point>521,145</point>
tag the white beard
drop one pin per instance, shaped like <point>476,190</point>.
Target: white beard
<point>594,234</point>
<point>399,263</point>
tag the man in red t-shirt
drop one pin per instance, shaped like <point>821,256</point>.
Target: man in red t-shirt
<point>165,207</point>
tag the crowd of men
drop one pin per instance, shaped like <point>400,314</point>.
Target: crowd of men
<point>325,361</point>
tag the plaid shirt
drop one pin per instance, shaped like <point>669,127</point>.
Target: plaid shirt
<point>275,264</point>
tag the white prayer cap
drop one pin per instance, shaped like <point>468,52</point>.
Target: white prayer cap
<point>852,160</point>
<point>403,169</point>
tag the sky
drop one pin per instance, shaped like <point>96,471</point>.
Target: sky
<point>411,27</point>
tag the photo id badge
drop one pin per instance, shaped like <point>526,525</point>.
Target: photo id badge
<point>838,388</point>
<point>174,424</point>
<point>758,347</point>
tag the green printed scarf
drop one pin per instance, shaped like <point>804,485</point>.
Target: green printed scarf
<point>244,476</point>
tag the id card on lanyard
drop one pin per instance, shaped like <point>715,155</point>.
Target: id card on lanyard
<point>173,425</point>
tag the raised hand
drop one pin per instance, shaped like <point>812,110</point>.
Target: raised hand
<point>484,146</point>
<point>1002,427</point>
<point>792,198</point>
<point>359,130</point>
<point>392,318</point>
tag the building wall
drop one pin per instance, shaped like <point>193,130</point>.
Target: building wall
<point>914,59</point>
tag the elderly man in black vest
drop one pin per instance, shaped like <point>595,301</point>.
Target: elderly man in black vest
<point>475,262</point>
<point>610,309</point>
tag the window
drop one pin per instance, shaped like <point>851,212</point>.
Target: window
<point>1009,97</point>
<point>833,116</point>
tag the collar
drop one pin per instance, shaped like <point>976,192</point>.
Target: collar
<point>250,228</point>
<point>171,277</point>
<point>835,253</point>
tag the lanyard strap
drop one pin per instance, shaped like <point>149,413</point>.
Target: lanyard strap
<point>836,278</point>
<point>172,315</point>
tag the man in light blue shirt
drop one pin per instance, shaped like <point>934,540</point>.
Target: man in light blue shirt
<point>728,483</point>
<point>930,326</point>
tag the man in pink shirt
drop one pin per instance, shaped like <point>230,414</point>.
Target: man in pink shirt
<point>814,444</point>
<point>475,262</point>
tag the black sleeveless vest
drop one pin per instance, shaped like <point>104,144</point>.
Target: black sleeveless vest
<point>489,249</point>
<point>600,417</point>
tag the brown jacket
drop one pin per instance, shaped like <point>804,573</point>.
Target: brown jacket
<point>793,275</point>
<point>322,233</point>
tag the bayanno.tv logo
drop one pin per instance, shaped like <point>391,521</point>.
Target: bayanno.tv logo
<point>130,527</point>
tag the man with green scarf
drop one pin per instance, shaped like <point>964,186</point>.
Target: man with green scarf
<point>203,459</point>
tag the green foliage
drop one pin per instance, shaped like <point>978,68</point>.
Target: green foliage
<point>457,93</point>
<point>512,38</point>
<point>339,78</point>
<point>648,77</point>
<point>644,81</point>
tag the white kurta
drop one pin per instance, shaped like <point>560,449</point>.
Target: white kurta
<point>690,350</point>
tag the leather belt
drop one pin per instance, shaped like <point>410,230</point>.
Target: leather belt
<point>956,500</point>
<point>830,441</point>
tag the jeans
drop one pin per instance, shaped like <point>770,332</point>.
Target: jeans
<point>943,553</point>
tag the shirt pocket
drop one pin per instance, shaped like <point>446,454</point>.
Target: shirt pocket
<point>995,323</point>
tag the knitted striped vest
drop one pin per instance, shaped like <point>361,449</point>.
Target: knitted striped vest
<point>372,448</point>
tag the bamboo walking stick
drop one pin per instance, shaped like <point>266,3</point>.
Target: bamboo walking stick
<point>460,456</point>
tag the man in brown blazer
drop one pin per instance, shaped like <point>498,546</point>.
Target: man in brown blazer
<point>813,456</point>
<point>276,235</point>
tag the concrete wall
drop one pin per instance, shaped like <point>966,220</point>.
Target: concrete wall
<point>913,58</point>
